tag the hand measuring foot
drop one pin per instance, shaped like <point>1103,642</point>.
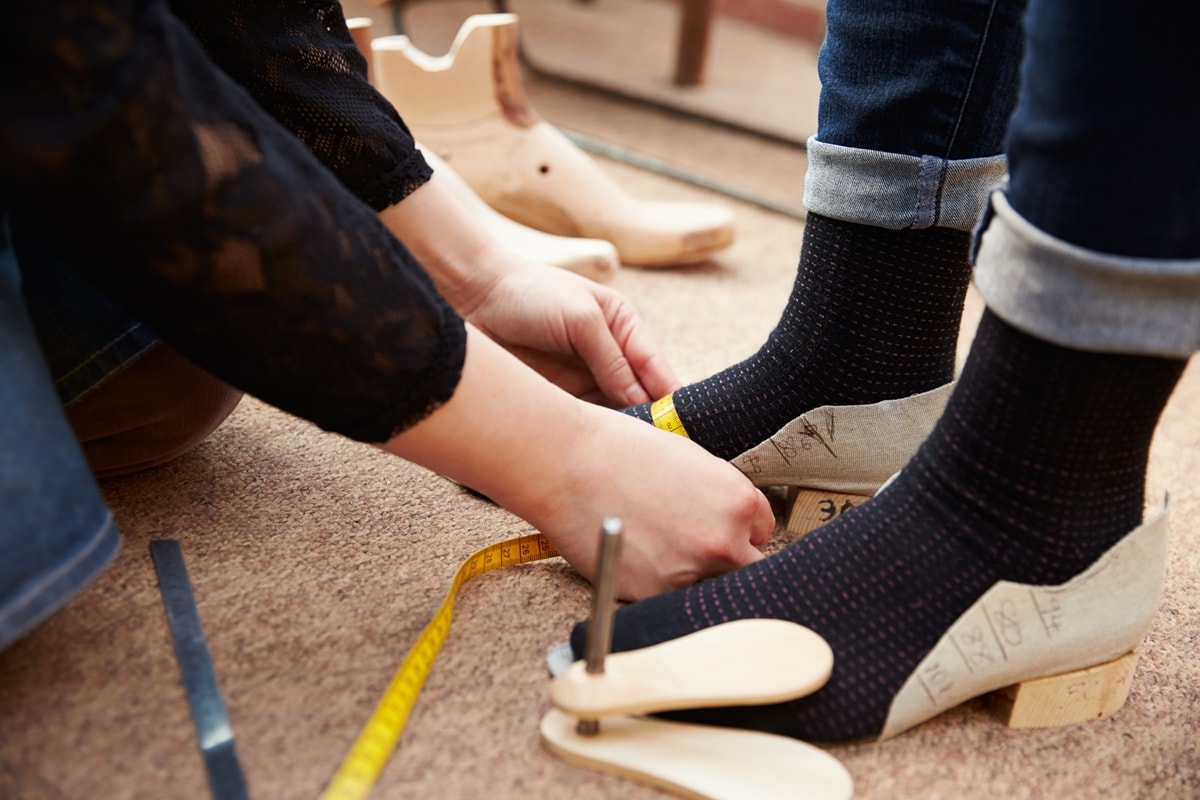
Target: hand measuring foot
<point>687,514</point>
<point>563,465</point>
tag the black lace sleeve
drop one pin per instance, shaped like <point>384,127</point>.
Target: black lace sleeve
<point>126,149</point>
<point>297,59</point>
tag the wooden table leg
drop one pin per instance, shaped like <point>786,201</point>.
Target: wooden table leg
<point>694,30</point>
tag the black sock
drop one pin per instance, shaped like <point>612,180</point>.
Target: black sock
<point>874,315</point>
<point>1035,469</point>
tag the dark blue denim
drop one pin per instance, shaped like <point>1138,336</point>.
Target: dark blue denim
<point>915,100</point>
<point>1095,244</point>
<point>56,533</point>
<point>920,77</point>
<point>85,337</point>
<point>1103,145</point>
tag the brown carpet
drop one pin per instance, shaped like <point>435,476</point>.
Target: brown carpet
<point>316,562</point>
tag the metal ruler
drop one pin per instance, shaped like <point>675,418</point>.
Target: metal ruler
<point>225,778</point>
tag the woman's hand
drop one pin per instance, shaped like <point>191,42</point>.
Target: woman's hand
<point>564,466</point>
<point>580,335</point>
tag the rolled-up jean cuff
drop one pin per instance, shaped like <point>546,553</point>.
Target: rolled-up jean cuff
<point>894,191</point>
<point>1081,298</point>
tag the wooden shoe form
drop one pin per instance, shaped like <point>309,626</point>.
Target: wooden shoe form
<point>591,258</point>
<point>742,662</point>
<point>469,106</point>
<point>1067,650</point>
<point>700,761</point>
<point>745,662</point>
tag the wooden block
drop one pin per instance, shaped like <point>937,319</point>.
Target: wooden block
<point>700,761</point>
<point>695,32</point>
<point>809,509</point>
<point>775,661</point>
<point>1067,699</point>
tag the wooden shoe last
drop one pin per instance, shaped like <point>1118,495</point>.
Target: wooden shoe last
<point>703,669</point>
<point>591,258</point>
<point>701,761</point>
<point>469,106</point>
<point>743,662</point>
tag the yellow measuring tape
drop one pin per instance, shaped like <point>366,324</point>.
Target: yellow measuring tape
<point>364,763</point>
<point>664,416</point>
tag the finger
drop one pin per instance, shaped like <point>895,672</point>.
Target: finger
<point>646,360</point>
<point>744,554</point>
<point>612,372</point>
<point>763,526</point>
<point>749,555</point>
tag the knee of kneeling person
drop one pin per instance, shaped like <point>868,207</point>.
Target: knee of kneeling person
<point>156,409</point>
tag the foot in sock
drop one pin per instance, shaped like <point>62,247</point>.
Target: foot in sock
<point>873,315</point>
<point>1035,470</point>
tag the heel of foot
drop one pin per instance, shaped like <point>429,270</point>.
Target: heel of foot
<point>1067,699</point>
<point>809,509</point>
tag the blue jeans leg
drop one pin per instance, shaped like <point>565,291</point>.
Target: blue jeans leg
<point>920,77</point>
<point>1096,243</point>
<point>915,97</point>
<point>1102,146</point>
<point>56,533</point>
<point>86,338</point>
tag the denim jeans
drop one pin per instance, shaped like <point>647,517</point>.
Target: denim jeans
<point>915,98</point>
<point>1096,242</point>
<point>56,533</point>
<point>1079,117</point>
<point>86,338</point>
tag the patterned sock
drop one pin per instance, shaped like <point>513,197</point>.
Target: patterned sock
<point>1035,469</point>
<point>873,315</point>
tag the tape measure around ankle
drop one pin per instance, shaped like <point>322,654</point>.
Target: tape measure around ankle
<point>664,416</point>
<point>363,764</point>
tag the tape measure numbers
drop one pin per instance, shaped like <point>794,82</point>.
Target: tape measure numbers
<point>664,416</point>
<point>363,764</point>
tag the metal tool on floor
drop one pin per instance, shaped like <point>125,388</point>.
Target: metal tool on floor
<point>213,730</point>
<point>599,701</point>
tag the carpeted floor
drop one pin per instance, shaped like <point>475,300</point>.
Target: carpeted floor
<point>316,562</point>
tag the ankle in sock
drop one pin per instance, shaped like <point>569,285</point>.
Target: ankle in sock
<point>873,315</point>
<point>1035,469</point>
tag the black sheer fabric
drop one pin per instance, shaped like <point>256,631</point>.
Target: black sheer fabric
<point>125,148</point>
<point>297,59</point>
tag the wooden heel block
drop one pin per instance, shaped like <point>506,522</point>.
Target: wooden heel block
<point>809,509</point>
<point>1069,698</point>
